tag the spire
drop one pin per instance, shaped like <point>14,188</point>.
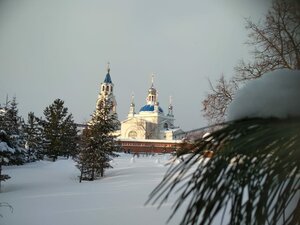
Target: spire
<point>170,108</point>
<point>107,77</point>
<point>152,80</point>
<point>108,67</point>
<point>132,99</point>
<point>132,107</point>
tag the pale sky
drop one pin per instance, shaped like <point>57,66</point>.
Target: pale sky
<point>59,49</point>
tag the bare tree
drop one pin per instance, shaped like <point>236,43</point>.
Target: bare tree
<point>216,103</point>
<point>276,44</point>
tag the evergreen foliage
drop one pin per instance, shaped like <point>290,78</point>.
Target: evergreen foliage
<point>70,138</point>
<point>98,142</point>
<point>33,138</point>
<point>253,175</point>
<point>11,124</point>
<point>59,131</point>
<point>6,154</point>
<point>11,137</point>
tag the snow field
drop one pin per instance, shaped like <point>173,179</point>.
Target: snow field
<point>49,193</point>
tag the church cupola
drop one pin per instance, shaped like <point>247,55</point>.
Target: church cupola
<point>152,94</point>
<point>152,100</point>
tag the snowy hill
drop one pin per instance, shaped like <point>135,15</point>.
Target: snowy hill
<point>48,193</point>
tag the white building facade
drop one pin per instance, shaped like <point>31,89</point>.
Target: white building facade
<point>149,129</point>
<point>150,122</point>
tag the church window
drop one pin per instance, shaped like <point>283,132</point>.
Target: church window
<point>107,88</point>
<point>102,88</point>
<point>132,134</point>
<point>166,126</point>
<point>111,88</point>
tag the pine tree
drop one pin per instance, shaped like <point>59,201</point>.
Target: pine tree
<point>13,121</point>
<point>6,154</point>
<point>11,124</point>
<point>70,137</point>
<point>33,138</point>
<point>59,130</point>
<point>98,142</point>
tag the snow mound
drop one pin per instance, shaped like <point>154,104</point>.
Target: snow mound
<point>275,94</point>
<point>132,160</point>
<point>5,148</point>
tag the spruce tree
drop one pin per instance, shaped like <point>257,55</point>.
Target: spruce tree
<point>11,124</point>
<point>33,138</point>
<point>70,137</point>
<point>12,119</point>
<point>59,130</point>
<point>98,142</point>
<point>6,154</point>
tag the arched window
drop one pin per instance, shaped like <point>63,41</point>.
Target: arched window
<point>166,126</point>
<point>132,134</point>
<point>102,88</point>
<point>111,88</point>
<point>107,88</point>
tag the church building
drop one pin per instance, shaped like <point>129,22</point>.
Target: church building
<point>149,129</point>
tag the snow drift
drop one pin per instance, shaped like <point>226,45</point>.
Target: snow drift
<point>275,94</point>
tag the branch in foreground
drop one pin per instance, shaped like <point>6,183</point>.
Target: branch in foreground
<point>252,178</point>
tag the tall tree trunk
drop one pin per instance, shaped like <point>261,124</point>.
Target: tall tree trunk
<point>102,171</point>
<point>81,173</point>
<point>93,174</point>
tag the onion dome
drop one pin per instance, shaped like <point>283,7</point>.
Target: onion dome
<point>152,91</point>
<point>150,108</point>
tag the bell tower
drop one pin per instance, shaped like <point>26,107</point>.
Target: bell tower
<point>106,91</point>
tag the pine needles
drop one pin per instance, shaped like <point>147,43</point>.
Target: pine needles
<point>253,176</point>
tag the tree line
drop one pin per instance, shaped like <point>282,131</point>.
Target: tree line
<point>56,135</point>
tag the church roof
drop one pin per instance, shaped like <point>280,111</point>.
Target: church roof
<point>107,78</point>
<point>152,91</point>
<point>150,108</point>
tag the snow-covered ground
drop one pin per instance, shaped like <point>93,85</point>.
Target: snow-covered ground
<point>48,193</point>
